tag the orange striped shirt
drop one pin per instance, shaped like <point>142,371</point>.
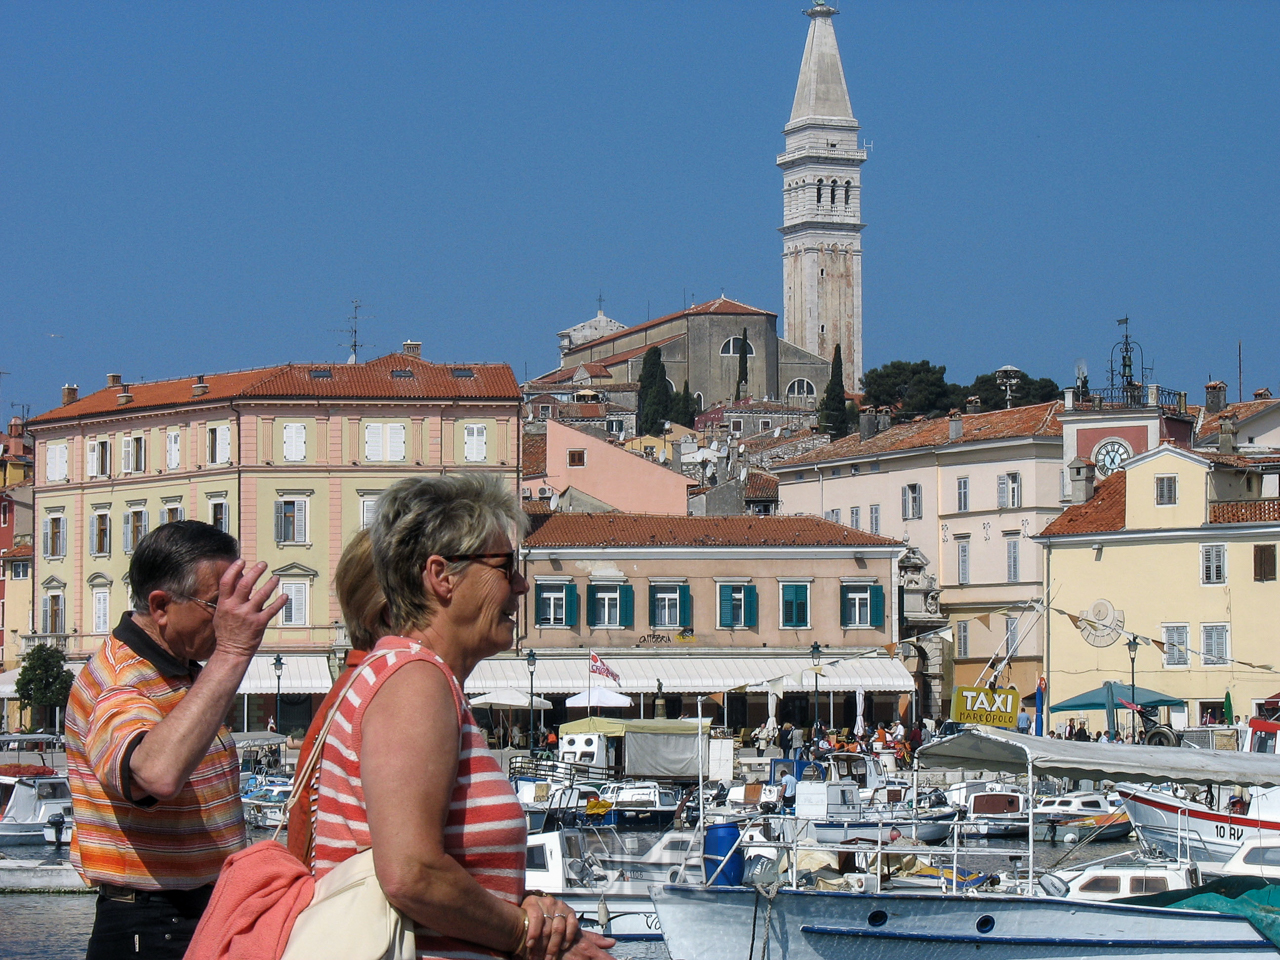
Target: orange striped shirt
<point>485,829</point>
<point>125,689</point>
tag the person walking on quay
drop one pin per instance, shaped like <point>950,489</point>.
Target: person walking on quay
<point>784,739</point>
<point>1024,721</point>
<point>155,781</point>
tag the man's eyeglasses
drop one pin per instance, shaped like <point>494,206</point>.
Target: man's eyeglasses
<point>205,603</point>
<point>508,565</point>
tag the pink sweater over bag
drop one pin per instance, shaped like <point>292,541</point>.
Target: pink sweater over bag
<point>257,899</point>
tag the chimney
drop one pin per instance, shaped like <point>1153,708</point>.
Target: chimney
<point>199,388</point>
<point>884,419</point>
<point>1262,393</point>
<point>124,396</point>
<point>1215,397</point>
<point>955,426</point>
<point>113,379</point>
<point>866,425</point>
<point>1069,398</point>
<point>1226,434</point>
<point>413,348</point>
<point>15,425</point>
<point>973,405</point>
<point>70,394</point>
<point>1082,476</point>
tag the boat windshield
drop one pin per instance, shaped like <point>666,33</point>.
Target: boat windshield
<point>53,790</point>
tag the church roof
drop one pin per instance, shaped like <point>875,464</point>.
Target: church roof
<point>821,91</point>
<point>720,305</point>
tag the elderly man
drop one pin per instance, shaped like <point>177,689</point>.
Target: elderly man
<point>153,770</point>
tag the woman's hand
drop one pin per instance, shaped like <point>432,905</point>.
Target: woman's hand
<point>554,932</point>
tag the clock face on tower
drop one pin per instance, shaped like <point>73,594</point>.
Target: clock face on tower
<point>1110,456</point>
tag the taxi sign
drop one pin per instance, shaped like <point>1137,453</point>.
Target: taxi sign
<point>994,708</point>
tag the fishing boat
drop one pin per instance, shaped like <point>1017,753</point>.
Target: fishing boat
<point>637,805</point>
<point>993,809</point>
<point>29,796</point>
<point>675,856</point>
<point>1079,816</point>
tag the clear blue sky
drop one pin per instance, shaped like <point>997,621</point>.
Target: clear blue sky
<point>193,188</point>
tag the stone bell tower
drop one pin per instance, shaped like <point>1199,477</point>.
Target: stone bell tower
<point>821,205</point>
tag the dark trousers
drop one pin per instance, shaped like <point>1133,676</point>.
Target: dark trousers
<point>157,924</point>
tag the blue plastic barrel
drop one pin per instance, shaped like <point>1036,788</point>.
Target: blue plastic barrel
<point>720,840</point>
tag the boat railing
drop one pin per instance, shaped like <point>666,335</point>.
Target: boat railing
<point>557,771</point>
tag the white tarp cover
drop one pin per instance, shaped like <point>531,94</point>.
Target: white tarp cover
<point>693,673</point>
<point>9,679</point>
<point>986,748</point>
<point>663,755</point>
<point>303,673</point>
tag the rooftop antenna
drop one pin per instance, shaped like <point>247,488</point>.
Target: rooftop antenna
<point>1008,377</point>
<point>352,330</point>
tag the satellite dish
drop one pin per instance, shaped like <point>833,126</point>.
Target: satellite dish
<point>1101,624</point>
<point>662,456</point>
<point>777,431</point>
<point>555,502</point>
<point>742,475</point>
<point>742,448</point>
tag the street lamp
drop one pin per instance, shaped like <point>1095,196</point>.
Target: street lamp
<point>815,654</point>
<point>278,663</point>
<point>531,661</point>
<point>1133,693</point>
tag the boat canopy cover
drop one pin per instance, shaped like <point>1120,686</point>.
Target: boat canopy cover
<point>618,728</point>
<point>987,748</point>
<point>1097,699</point>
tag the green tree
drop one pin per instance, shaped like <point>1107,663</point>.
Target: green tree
<point>833,412</point>
<point>1028,391</point>
<point>743,347</point>
<point>683,407</point>
<point>655,394</point>
<point>44,680</point>
<point>912,388</point>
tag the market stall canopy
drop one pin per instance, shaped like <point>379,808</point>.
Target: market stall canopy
<point>302,673</point>
<point>599,697</point>
<point>986,748</point>
<point>609,727</point>
<point>9,679</point>
<point>702,672</point>
<point>506,697</point>
<point>1097,699</point>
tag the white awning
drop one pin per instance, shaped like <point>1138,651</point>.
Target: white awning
<point>9,679</point>
<point>303,673</point>
<point>640,671</point>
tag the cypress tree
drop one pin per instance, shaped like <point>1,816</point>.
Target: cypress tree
<point>742,365</point>
<point>833,414</point>
<point>655,394</point>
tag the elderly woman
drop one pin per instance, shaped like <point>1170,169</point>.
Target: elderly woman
<point>406,770</point>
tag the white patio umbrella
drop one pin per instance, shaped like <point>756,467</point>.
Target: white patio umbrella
<point>598,697</point>
<point>507,697</point>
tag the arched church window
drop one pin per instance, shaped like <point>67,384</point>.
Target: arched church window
<point>848,189</point>
<point>819,190</point>
<point>731,347</point>
<point>833,193</point>
<point>801,388</point>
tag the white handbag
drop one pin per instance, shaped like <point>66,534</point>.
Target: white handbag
<point>349,917</point>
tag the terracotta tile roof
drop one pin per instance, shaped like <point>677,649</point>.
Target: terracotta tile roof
<point>1239,460</point>
<point>1245,511</point>
<point>761,486</point>
<point>376,379</point>
<point>533,455</point>
<point>1241,411</point>
<point>588,411</point>
<point>644,530</point>
<point>29,482</point>
<point>566,374</point>
<point>720,305</point>
<point>1104,512</point>
<point>1038,420</point>
<point>765,440</point>
<point>18,552</point>
<point>538,508</point>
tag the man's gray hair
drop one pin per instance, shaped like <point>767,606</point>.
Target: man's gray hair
<point>170,556</point>
<point>434,516</point>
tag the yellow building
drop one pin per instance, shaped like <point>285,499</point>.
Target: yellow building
<point>1181,547</point>
<point>288,459</point>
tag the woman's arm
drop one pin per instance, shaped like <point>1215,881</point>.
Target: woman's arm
<point>408,766</point>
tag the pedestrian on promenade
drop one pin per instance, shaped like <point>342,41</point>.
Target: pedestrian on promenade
<point>155,781</point>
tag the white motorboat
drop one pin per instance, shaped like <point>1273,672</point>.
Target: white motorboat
<point>1118,877</point>
<point>638,805</point>
<point>264,806</point>
<point>1082,815</point>
<point>674,857</point>
<point>28,802</point>
<point>994,809</point>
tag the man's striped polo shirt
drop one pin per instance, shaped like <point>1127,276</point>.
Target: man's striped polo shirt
<point>126,688</point>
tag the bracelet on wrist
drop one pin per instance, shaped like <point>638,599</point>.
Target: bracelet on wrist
<point>524,936</point>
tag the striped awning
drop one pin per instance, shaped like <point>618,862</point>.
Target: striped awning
<point>302,673</point>
<point>566,672</point>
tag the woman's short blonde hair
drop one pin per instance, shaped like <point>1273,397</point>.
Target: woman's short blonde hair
<point>434,516</point>
<point>364,608</point>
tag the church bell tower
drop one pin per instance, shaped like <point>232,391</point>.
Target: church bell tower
<point>821,207</point>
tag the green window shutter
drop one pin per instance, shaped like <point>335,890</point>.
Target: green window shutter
<point>726,605</point>
<point>570,604</point>
<point>591,605</point>
<point>686,606</point>
<point>802,604</point>
<point>653,605</point>
<point>539,611</point>
<point>845,590</point>
<point>790,602</point>
<point>626,606</point>
<point>877,605</point>
<point>749,606</point>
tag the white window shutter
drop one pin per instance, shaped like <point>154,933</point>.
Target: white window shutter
<point>128,531</point>
<point>173,449</point>
<point>44,537</point>
<point>101,615</point>
<point>44,614</point>
<point>367,510</point>
<point>300,521</point>
<point>51,462</point>
<point>395,441</point>
<point>93,458</point>
<point>906,503</point>
<point>126,455</point>
<point>1002,492</point>
<point>279,521</point>
<point>373,441</point>
<point>295,608</point>
<point>224,444</point>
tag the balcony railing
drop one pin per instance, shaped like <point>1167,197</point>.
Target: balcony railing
<point>56,640</point>
<point>1134,396</point>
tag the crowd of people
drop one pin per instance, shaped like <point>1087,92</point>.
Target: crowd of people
<point>427,593</point>
<point>817,742</point>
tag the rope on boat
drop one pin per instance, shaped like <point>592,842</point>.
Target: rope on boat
<point>770,890</point>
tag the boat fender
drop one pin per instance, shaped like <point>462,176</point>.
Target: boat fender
<point>1069,838</point>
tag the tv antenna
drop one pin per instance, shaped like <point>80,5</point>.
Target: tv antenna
<point>352,331</point>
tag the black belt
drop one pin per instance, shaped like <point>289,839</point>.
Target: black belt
<point>110,891</point>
